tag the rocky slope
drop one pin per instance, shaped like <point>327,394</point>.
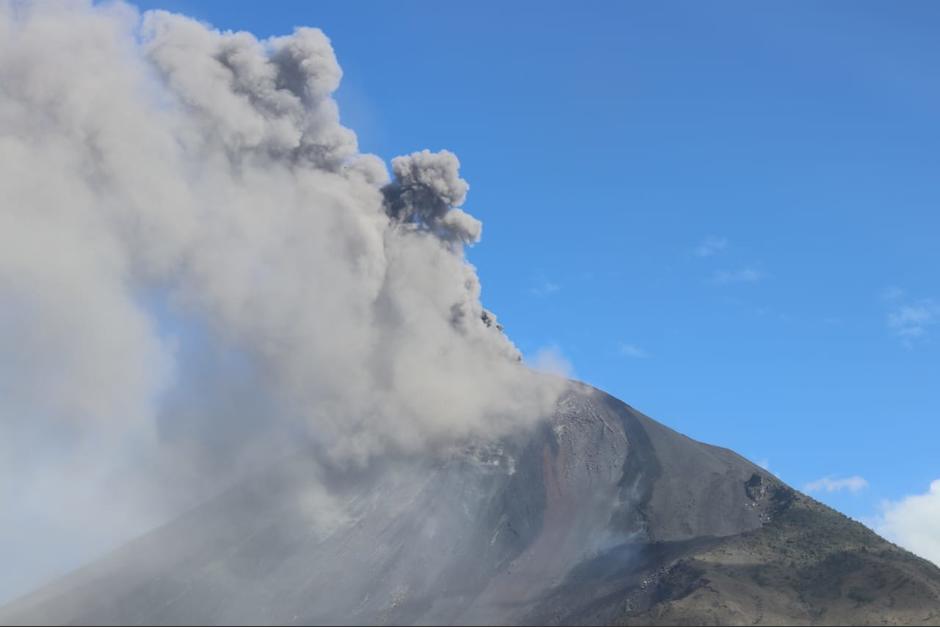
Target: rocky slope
<point>598,515</point>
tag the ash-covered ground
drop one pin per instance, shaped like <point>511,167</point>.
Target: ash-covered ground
<point>598,515</point>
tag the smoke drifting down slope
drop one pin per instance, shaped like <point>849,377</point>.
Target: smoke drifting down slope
<point>197,266</point>
<point>596,515</point>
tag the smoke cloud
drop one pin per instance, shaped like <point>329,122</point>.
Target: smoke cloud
<point>198,269</point>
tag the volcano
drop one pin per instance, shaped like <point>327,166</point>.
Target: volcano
<point>597,515</point>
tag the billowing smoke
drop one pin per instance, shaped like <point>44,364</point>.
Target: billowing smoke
<point>197,265</point>
<point>428,191</point>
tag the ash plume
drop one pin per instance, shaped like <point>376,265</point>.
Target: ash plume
<point>428,191</point>
<point>198,267</point>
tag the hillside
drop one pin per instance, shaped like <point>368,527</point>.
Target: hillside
<point>598,515</point>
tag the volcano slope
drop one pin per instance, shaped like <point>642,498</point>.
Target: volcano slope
<point>599,515</point>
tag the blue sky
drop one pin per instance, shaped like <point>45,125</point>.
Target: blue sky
<point>726,214</point>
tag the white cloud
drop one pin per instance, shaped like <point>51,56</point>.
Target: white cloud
<point>914,523</point>
<point>632,350</point>
<point>910,321</point>
<point>545,288</point>
<point>711,246</point>
<point>832,484</point>
<point>551,360</point>
<point>744,275</point>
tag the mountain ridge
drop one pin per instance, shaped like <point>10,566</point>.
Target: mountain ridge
<point>597,515</point>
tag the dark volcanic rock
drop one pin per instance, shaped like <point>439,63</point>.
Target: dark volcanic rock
<point>599,515</point>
